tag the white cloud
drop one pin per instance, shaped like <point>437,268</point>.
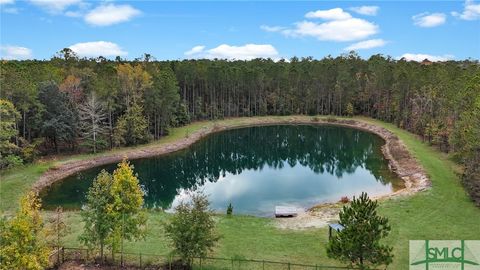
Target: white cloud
<point>470,12</point>
<point>108,14</point>
<point>429,20</point>
<point>5,2</point>
<point>272,28</point>
<point>55,6</point>
<point>195,50</point>
<point>420,57</point>
<point>245,52</point>
<point>366,44</point>
<point>15,53</point>
<point>329,14</point>
<point>97,48</point>
<point>341,30</point>
<point>339,26</point>
<point>366,10</point>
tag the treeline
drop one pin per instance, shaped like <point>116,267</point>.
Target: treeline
<point>72,104</point>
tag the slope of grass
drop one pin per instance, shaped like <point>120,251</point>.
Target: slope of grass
<point>15,182</point>
<point>242,237</point>
<point>443,212</point>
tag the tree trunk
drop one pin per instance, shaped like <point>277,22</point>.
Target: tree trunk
<point>16,136</point>
<point>110,128</point>
<point>94,137</point>
<point>94,143</point>
<point>123,236</point>
<point>24,124</point>
<point>55,143</point>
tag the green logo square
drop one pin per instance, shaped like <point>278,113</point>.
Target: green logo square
<point>444,254</point>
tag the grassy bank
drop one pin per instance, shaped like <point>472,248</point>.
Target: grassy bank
<point>443,212</point>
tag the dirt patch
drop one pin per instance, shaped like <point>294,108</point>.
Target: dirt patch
<point>316,217</point>
<point>394,150</point>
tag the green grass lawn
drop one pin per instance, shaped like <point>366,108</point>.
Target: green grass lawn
<point>443,212</point>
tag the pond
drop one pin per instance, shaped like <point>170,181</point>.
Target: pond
<point>255,169</point>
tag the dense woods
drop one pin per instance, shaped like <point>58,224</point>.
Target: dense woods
<point>67,104</point>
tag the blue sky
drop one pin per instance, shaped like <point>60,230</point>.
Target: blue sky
<point>438,30</point>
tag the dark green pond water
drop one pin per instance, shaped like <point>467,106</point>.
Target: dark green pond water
<point>255,169</point>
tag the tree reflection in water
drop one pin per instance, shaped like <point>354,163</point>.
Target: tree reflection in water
<point>319,153</point>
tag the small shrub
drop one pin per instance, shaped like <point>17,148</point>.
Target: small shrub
<point>349,111</point>
<point>192,229</point>
<point>471,178</point>
<point>10,161</point>
<point>331,119</point>
<point>344,199</point>
<point>100,144</point>
<point>229,209</point>
<point>315,119</point>
<point>30,151</point>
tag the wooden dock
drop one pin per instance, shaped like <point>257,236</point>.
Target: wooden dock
<point>285,211</point>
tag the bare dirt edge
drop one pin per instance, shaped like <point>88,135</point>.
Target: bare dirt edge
<point>394,150</point>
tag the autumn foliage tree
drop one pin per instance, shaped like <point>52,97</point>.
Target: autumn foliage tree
<point>114,210</point>
<point>127,205</point>
<point>8,118</point>
<point>132,127</point>
<point>22,238</point>
<point>133,80</point>
<point>73,88</point>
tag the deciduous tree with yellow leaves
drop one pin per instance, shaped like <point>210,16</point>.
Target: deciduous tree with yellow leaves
<point>22,238</point>
<point>114,210</point>
<point>127,204</point>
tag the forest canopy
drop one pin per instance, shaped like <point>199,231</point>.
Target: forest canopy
<point>71,104</point>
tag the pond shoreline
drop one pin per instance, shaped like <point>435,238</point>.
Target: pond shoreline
<point>394,150</point>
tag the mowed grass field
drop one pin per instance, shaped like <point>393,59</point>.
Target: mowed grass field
<point>443,212</point>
